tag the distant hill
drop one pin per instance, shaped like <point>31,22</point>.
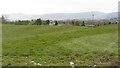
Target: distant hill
<point>63,16</point>
<point>20,16</point>
<point>112,15</point>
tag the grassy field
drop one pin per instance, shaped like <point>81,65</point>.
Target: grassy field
<point>0,44</point>
<point>58,45</point>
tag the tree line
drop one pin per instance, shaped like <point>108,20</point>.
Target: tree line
<point>39,21</point>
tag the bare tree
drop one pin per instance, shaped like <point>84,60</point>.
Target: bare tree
<point>3,20</point>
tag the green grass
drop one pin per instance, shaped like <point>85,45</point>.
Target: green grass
<point>0,44</point>
<point>58,45</point>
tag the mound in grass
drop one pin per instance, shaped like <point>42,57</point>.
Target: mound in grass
<point>59,45</point>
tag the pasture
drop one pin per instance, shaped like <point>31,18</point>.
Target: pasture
<point>0,44</point>
<point>58,45</point>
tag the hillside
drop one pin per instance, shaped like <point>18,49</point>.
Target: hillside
<point>63,16</point>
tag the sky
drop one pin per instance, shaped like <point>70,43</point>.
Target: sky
<point>57,6</point>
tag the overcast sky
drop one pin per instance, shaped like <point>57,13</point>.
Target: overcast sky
<point>57,6</point>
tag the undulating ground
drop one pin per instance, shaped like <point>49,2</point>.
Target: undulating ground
<point>0,44</point>
<point>31,45</point>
